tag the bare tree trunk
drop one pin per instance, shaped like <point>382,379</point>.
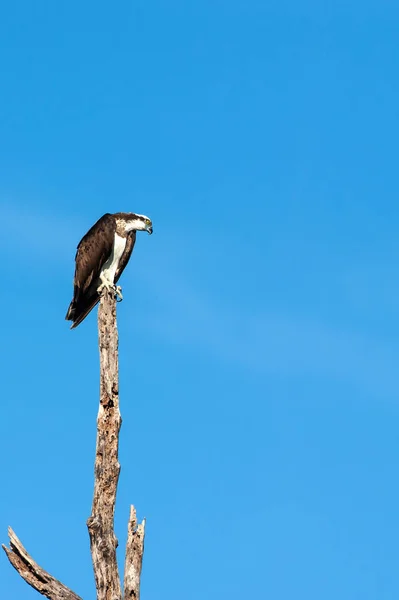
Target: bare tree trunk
<point>103,542</point>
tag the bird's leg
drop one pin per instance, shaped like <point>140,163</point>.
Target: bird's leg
<point>105,284</point>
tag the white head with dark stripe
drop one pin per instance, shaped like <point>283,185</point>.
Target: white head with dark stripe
<point>133,222</point>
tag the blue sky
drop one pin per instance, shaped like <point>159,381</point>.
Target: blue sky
<point>259,327</point>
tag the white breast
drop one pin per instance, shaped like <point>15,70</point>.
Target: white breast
<point>109,268</point>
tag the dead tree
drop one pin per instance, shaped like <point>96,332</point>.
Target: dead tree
<point>103,542</point>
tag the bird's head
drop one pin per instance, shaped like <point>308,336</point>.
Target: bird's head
<point>134,222</point>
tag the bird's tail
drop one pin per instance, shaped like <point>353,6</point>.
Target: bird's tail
<point>77,311</point>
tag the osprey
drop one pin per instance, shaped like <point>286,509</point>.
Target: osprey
<point>101,256</point>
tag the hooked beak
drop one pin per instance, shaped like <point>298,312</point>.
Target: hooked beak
<point>149,229</point>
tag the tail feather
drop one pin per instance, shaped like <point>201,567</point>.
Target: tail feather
<point>71,311</point>
<point>78,311</point>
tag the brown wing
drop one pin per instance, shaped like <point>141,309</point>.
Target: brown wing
<point>92,251</point>
<point>130,241</point>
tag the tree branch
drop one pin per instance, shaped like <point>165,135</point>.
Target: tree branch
<point>103,542</point>
<point>134,557</point>
<point>37,577</point>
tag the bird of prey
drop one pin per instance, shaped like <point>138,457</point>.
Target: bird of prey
<point>101,256</point>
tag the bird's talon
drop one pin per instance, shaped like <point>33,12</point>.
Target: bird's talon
<point>118,293</point>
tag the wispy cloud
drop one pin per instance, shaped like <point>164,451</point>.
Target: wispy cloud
<point>270,343</point>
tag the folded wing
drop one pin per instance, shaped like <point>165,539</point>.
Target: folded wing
<point>92,252</point>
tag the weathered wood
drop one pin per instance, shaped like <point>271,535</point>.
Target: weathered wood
<point>103,542</point>
<point>134,557</point>
<point>33,574</point>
